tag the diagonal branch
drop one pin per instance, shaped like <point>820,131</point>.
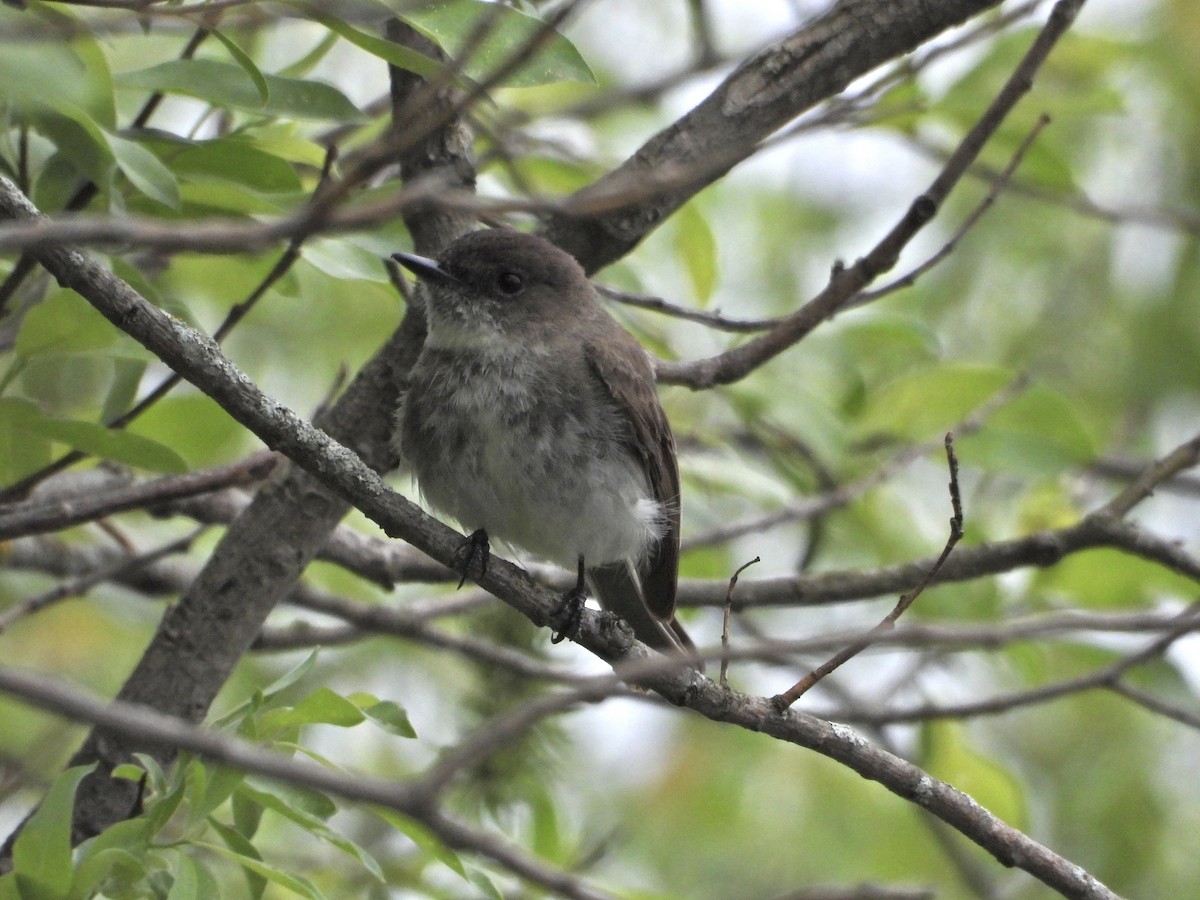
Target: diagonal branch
<point>847,281</point>
<point>199,360</point>
<point>147,727</point>
<point>261,555</point>
<point>796,691</point>
<point>759,97</point>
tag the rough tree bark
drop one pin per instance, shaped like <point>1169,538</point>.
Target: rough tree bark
<point>265,550</point>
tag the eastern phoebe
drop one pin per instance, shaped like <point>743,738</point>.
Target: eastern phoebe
<point>532,416</point>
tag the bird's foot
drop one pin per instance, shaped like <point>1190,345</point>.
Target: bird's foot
<point>475,547</point>
<point>568,615</point>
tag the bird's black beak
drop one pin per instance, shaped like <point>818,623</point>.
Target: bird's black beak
<point>425,268</point>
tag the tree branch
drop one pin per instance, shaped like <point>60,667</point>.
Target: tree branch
<point>201,638</point>
<point>759,97</point>
<point>140,726</point>
<point>847,281</point>
<point>200,361</point>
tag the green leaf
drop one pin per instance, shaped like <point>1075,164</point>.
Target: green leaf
<point>240,844</point>
<point>145,171</point>
<point>22,449</point>
<point>220,783</point>
<point>106,443</point>
<point>186,885</point>
<point>110,863</point>
<point>281,800</point>
<point>550,175</point>
<point>127,377</point>
<point>343,259</point>
<point>309,60</point>
<point>1111,579</point>
<point>296,884</point>
<point>271,795</point>
<point>207,886</point>
<point>195,784</point>
<point>227,85</point>
<point>388,51</point>
<point>56,71</point>
<point>247,815</point>
<point>391,717</point>
<point>239,161</point>
<point>281,140</point>
<point>42,851</point>
<point>64,323</point>
<point>57,180</point>
<point>129,772</point>
<point>882,346</point>
<point>247,64</point>
<point>426,840</point>
<point>452,24</point>
<point>323,706</point>
<point>926,402</point>
<point>484,884</point>
<point>156,778</point>
<point>217,197</point>
<point>165,797</point>
<point>291,677</point>
<point>119,848</point>
<point>547,829</point>
<point>1038,432</point>
<point>78,138</point>
<point>270,692</point>
<point>697,249</point>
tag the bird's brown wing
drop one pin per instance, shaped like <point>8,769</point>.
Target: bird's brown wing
<point>628,376</point>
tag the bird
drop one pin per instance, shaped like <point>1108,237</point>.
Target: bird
<point>532,417</point>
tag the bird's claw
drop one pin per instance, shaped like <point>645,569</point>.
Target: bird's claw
<point>475,547</point>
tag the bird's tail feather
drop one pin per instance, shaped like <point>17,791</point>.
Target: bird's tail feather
<point>619,590</point>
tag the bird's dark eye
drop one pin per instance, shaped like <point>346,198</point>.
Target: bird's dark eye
<point>510,283</point>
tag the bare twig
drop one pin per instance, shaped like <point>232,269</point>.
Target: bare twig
<point>37,516</point>
<point>1109,677</point>
<point>847,281</point>
<point>1120,469</point>
<point>1179,219</point>
<point>796,691</point>
<point>713,320</point>
<point>997,186</point>
<point>840,495</point>
<point>76,587</point>
<point>1183,457</point>
<point>724,681</point>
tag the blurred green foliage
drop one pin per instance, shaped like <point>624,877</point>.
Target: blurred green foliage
<point>1080,283</point>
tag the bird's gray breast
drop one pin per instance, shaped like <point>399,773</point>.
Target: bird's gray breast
<point>529,448</point>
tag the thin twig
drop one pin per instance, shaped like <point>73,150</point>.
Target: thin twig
<point>37,517</point>
<point>790,696</point>
<point>235,315</point>
<point>848,281</point>
<point>1109,677</point>
<point>1183,457</point>
<point>724,682</point>
<point>713,320</point>
<point>841,495</point>
<point>997,186</point>
<point>77,587</point>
